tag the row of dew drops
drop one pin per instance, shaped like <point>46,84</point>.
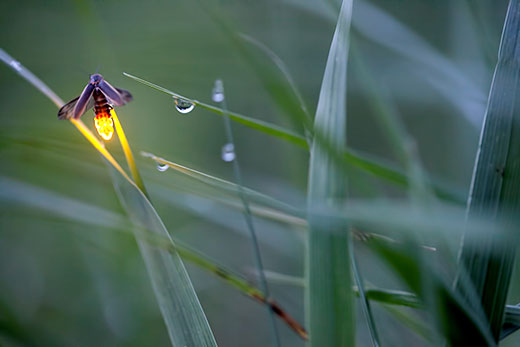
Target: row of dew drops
<point>186,106</point>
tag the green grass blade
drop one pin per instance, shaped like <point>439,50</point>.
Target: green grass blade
<point>489,258</point>
<point>329,307</point>
<point>511,321</point>
<point>409,321</point>
<point>237,176</point>
<point>403,146</point>
<point>379,26</point>
<point>365,304</point>
<point>453,317</point>
<point>277,85</point>
<point>14,191</point>
<point>227,186</point>
<point>355,158</point>
<point>182,313</point>
<point>282,67</point>
<point>256,124</point>
<point>30,77</point>
<point>185,320</point>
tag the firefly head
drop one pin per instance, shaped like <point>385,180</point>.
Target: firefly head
<point>95,79</point>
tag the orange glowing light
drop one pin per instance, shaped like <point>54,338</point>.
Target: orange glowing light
<point>104,125</point>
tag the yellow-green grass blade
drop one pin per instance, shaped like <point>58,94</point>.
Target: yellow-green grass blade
<point>330,312</point>
<point>488,258</point>
<point>185,320</point>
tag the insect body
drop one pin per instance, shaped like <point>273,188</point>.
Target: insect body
<point>102,96</point>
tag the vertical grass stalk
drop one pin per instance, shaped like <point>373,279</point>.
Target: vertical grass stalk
<point>219,90</point>
<point>495,189</point>
<point>329,298</point>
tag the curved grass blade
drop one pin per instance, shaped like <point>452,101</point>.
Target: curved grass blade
<point>365,304</point>
<point>30,77</point>
<point>256,124</point>
<point>128,152</point>
<point>276,85</point>
<point>257,255</point>
<point>183,315</point>
<point>242,285</point>
<point>459,323</point>
<point>12,190</point>
<point>410,322</point>
<point>283,69</point>
<point>495,187</point>
<point>355,158</point>
<point>439,71</point>
<point>330,310</point>
<point>227,186</point>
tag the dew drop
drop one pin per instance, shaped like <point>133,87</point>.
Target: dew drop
<point>183,106</point>
<point>162,167</point>
<point>228,152</point>
<point>217,94</point>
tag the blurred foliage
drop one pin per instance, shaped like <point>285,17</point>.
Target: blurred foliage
<point>64,281</point>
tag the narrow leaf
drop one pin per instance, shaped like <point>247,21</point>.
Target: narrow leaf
<point>256,124</point>
<point>183,315</point>
<point>227,186</point>
<point>330,308</point>
<point>489,258</point>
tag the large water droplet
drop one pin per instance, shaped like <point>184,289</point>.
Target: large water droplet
<point>217,94</point>
<point>228,152</point>
<point>183,106</point>
<point>162,167</point>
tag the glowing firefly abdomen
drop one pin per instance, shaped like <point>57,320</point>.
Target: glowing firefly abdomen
<point>103,120</point>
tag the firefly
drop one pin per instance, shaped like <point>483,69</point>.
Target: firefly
<point>103,97</point>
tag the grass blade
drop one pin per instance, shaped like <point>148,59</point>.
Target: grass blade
<point>355,158</point>
<point>458,322</point>
<point>12,190</point>
<point>183,315</point>
<point>237,175</point>
<point>227,186</point>
<point>489,258</point>
<point>30,77</point>
<point>365,304</point>
<point>256,124</point>
<point>330,310</point>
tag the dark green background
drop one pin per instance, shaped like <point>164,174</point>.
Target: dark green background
<point>71,284</point>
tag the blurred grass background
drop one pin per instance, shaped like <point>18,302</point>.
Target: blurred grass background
<point>69,283</point>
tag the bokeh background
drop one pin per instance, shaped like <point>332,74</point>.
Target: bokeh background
<point>66,282</point>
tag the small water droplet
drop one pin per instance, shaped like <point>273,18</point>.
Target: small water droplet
<point>16,65</point>
<point>183,106</point>
<point>217,94</point>
<point>228,152</point>
<point>162,167</point>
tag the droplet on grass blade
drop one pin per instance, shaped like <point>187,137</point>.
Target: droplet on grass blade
<point>217,94</point>
<point>183,106</point>
<point>162,167</point>
<point>228,152</point>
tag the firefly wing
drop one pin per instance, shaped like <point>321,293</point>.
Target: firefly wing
<point>67,110</point>
<point>125,95</point>
<point>83,100</point>
<point>111,93</point>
